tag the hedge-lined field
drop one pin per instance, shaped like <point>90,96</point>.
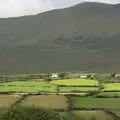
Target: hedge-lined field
<point>47,101</point>
<point>20,89</point>
<point>7,100</point>
<point>87,102</point>
<point>62,86</point>
<point>76,82</point>
<point>50,86</point>
<point>78,89</point>
<point>112,87</point>
<point>110,94</point>
<point>26,83</point>
<point>93,115</point>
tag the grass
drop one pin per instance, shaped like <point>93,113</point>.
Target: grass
<point>108,103</point>
<point>78,89</point>
<point>109,94</point>
<point>27,86</point>
<point>93,115</point>
<point>27,83</point>
<point>7,100</point>
<point>76,82</point>
<point>87,115</point>
<point>112,87</point>
<point>47,101</point>
<point>20,89</point>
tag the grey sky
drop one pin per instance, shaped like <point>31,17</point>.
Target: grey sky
<point>14,8</point>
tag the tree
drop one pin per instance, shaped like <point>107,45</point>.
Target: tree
<point>112,75</point>
<point>62,75</point>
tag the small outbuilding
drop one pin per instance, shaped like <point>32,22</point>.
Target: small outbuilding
<point>54,76</point>
<point>84,76</point>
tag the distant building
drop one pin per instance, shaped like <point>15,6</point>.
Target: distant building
<point>83,76</point>
<point>117,76</point>
<point>54,76</point>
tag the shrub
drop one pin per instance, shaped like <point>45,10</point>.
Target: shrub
<point>30,113</point>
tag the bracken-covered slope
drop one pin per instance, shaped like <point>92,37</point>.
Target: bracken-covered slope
<point>85,37</point>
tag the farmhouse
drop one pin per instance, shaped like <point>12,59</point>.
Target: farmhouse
<point>117,76</point>
<point>54,76</point>
<point>84,76</point>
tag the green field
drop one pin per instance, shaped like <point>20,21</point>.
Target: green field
<point>112,87</point>
<point>27,86</point>
<point>42,86</point>
<point>47,101</point>
<point>27,89</point>
<point>26,83</point>
<point>107,103</point>
<point>76,82</point>
<point>109,94</point>
<point>78,89</point>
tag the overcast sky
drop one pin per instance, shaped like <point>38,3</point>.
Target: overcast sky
<point>14,8</point>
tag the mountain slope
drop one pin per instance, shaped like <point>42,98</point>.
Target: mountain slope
<point>85,37</point>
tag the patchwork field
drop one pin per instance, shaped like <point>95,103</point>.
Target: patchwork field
<point>87,102</point>
<point>76,82</point>
<point>50,87</point>
<point>78,87</point>
<point>7,100</point>
<point>47,101</point>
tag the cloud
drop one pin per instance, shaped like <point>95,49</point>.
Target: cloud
<point>14,8</point>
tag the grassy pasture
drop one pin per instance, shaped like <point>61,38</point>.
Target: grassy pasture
<point>109,94</point>
<point>76,82</point>
<point>93,115</point>
<point>108,103</point>
<point>88,115</point>
<point>41,86</point>
<point>26,83</point>
<point>78,89</point>
<point>47,101</point>
<point>20,89</point>
<point>7,100</point>
<point>112,87</point>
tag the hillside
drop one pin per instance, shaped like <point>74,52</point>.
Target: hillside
<point>85,37</point>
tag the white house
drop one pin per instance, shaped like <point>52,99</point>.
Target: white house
<point>54,76</point>
<point>83,76</point>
